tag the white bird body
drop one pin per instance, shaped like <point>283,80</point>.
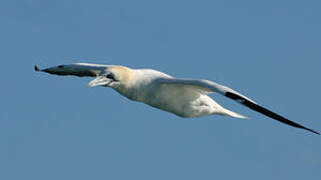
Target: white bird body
<point>183,100</point>
<point>183,97</point>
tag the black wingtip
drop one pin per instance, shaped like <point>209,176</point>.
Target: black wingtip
<point>266,112</point>
<point>36,68</point>
<point>315,132</point>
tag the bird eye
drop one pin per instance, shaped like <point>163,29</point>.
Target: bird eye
<point>110,76</point>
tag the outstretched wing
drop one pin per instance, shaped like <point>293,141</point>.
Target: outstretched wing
<point>209,86</point>
<point>76,69</point>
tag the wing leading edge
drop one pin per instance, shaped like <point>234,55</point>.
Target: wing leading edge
<point>77,69</point>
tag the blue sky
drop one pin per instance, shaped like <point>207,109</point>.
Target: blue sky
<point>54,127</point>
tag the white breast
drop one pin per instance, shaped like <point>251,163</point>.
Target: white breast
<point>182,101</point>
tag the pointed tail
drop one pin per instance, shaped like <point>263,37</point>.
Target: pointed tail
<point>227,112</point>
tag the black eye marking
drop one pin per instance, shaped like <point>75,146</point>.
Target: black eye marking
<point>111,76</point>
<point>60,66</point>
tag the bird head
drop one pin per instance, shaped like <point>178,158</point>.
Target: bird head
<point>113,76</point>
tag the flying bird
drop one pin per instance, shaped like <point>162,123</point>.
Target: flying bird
<point>184,97</point>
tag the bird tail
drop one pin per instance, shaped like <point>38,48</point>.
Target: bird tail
<point>227,112</point>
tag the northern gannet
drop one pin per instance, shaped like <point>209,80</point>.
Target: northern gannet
<point>183,97</point>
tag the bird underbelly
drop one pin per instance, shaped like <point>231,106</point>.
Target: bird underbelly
<point>183,103</point>
<point>185,111</point>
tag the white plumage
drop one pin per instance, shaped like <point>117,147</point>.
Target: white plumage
<point>183,97</point>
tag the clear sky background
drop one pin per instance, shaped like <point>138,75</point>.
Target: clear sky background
<point>54,127</point>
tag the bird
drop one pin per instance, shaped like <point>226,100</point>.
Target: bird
<point>186,98</point>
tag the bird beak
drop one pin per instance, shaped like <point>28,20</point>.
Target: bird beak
<point>99,81</point>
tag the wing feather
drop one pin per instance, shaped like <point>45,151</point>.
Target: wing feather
<point>209,86</point>
<point>77,69</point>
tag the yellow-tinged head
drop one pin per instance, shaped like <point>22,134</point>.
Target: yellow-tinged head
<point>113,76</point>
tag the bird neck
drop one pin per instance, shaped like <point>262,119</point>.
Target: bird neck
<point>136,88</point>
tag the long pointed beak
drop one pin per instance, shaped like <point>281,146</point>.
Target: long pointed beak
<point>99,81</point>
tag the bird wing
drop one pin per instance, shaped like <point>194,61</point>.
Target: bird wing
<point>209,86</point>
<point>76,69</point>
